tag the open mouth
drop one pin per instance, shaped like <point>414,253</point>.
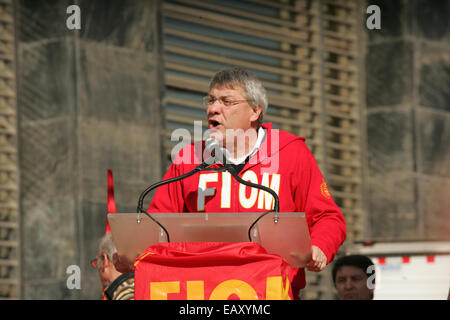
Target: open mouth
<point>213,124</point>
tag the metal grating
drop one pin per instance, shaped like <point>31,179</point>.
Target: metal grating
<point>274,41</point>
<point>306,54</point>
<point>342,105</point>
<point>9,190</point>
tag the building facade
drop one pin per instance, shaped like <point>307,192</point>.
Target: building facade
<point>373,105</point>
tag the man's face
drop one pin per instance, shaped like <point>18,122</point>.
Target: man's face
<point>224,119</point>
<point>351,284</point>
<point>102,270</point>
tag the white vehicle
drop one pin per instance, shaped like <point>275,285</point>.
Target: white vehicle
<point>409,270</point>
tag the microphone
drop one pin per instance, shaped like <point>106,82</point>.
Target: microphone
<point>211,146</point>
<point>140,209</point>
<point>276,206</point>
<point>216,152</point>
<point>220,154</point>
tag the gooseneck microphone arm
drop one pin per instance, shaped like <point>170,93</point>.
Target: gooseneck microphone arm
<point>161,183</point>
<point>276,207</point>
<point>232,171</point>
<point>219,155</point>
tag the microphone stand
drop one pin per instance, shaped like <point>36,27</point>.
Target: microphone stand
<point>199,168</point>
<point>276,207</point>
<point>204,167</point>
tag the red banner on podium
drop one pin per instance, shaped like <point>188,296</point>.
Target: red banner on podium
<point>211,270</point>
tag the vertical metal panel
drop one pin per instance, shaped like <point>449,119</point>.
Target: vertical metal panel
<point>340,20</point>
<point>9,186</point>
<point>306,54</point>
<point>276,43</point>
<point>339,25</point>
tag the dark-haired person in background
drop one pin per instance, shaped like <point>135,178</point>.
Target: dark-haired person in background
<point>354,277</point>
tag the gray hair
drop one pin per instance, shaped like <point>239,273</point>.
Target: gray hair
<point>254,90</point>
<point>106,246</point>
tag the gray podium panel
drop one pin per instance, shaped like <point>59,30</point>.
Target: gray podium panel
<point>284,233</point>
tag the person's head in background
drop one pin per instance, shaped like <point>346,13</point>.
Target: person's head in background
<point>354,277</point>
<point>104,261</point>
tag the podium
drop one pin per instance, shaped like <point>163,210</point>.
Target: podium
<point>283,233</point>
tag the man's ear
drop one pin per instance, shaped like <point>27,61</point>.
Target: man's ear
<point>256,113</point>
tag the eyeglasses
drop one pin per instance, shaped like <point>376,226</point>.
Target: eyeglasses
<point>209,100</point>
<point>94,263</point>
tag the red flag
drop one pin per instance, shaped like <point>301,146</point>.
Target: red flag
<point>211,270</point>
<point>111,204</point>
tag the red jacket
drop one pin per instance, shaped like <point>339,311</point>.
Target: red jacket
<point>284,163</point>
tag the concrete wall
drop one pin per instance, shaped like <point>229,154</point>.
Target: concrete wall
<point>408,121</point>
<point>88,100</point>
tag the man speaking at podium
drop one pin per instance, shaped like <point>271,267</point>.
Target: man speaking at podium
<point>235,106</point>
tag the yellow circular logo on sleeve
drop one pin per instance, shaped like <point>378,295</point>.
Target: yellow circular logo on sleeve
<point>324,189</point>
